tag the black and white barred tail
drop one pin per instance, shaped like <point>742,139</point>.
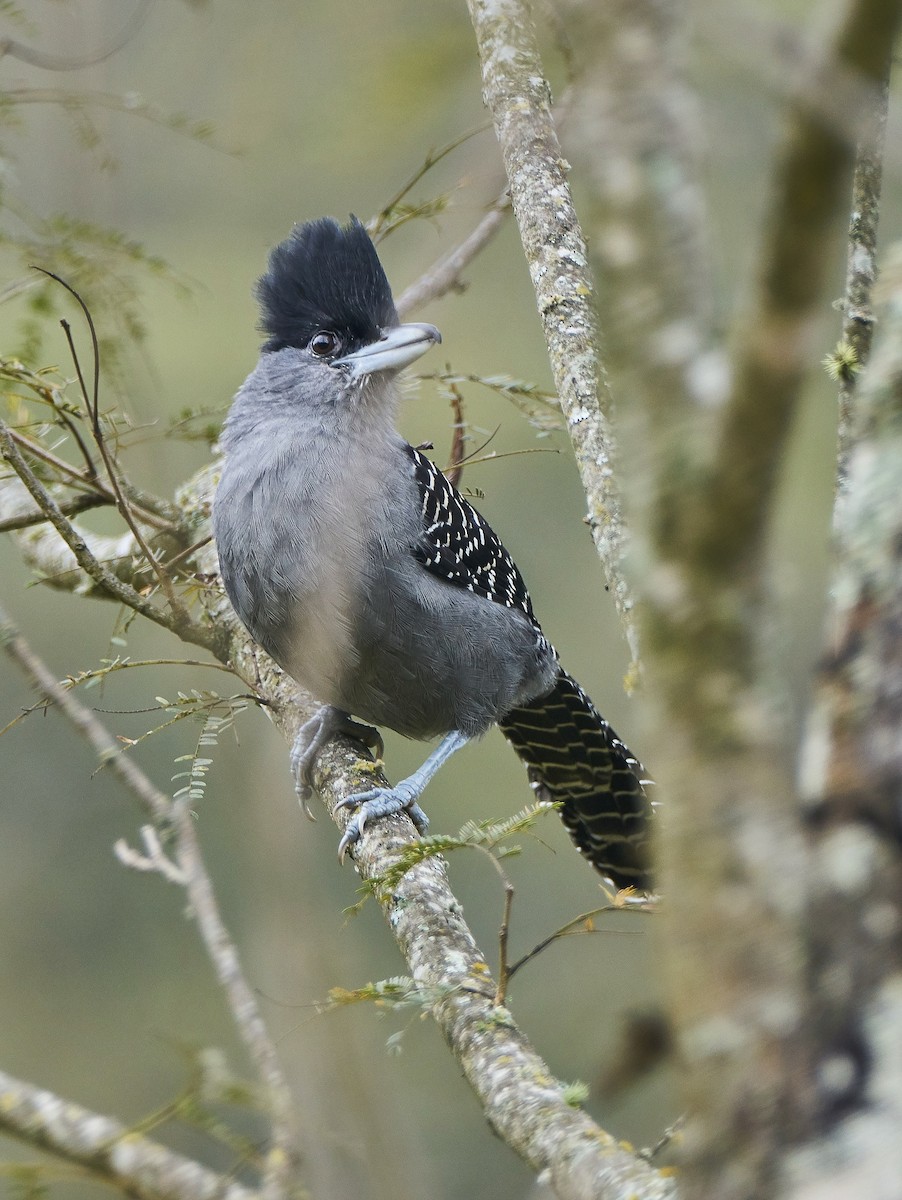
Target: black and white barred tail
<point>575,758</point>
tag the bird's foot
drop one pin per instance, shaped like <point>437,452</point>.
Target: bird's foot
<point>403,797</point>
<point>326,723</point>
<point>381,802</point>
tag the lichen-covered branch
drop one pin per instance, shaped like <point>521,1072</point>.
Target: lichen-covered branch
<point>517,94</point>
<point>107,1150</point>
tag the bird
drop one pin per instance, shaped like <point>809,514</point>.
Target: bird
<point>373,582</point>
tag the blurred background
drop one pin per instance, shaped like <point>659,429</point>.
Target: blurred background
<point>105,994</point>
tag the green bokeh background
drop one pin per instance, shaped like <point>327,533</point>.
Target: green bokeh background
<point>104,990</point>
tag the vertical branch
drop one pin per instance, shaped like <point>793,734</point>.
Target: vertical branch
<point>852,790</point>
<point>861,267</point>
<point>515,90</point>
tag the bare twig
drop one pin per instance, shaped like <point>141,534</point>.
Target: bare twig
<point>97,571</point>
<point>154,511</point>
<point>377,225</point>
<point>105,579</point>
<point>445,275</point>
<point>106,1150</point>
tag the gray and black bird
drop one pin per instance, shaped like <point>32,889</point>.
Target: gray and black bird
<point>366,575</point>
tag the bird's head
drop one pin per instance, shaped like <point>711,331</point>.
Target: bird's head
<point>325,293</point>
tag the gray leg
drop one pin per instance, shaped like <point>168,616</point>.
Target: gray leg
<point>313,735</point>
<point>382,802</point>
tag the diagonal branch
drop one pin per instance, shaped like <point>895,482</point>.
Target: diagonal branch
<point>107,1150</point>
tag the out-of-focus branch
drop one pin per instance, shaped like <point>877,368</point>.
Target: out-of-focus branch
<point>851,785</point>
<point>106,1150</point>
<point>632,132</point>
<point>518,96</point>
<point>732,856</point>
<point>773,337</point>
<point>167,814</point>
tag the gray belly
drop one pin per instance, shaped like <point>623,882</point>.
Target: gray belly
<point>432,657</point>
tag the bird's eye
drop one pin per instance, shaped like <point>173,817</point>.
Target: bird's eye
<point>325,343</point>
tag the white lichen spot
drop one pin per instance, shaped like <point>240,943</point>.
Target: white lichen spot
<point>812,772</point>
<point>718,1035</point>
<point>836,1074</point>
<point>847,858</point>
<point>862,261</point>
<point>708,378</point>
<point>881,920</point>
<point>619,247</point>
<point>674,343</point>
<point>779,1013</point>
<point>571,256</point>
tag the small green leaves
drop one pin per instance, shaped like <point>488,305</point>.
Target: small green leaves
<point>842,364</point>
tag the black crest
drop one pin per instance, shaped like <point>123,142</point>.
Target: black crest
<point>325,276</point>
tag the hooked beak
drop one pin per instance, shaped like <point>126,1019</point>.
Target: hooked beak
<point>395,349</point>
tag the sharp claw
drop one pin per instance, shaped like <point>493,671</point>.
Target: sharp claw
<point>344,845</point>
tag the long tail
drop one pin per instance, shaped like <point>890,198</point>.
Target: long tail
<point>574,757</point>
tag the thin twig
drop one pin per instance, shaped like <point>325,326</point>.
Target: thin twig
<point>92,402</point>
<point>504,973</point>
<point>219,945</point>
<point>445,275</point>
<point>101,574</point>
<point>69,508</point>
<point>454,472</point>
<point>150,516</point>
<point>433,157</point>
